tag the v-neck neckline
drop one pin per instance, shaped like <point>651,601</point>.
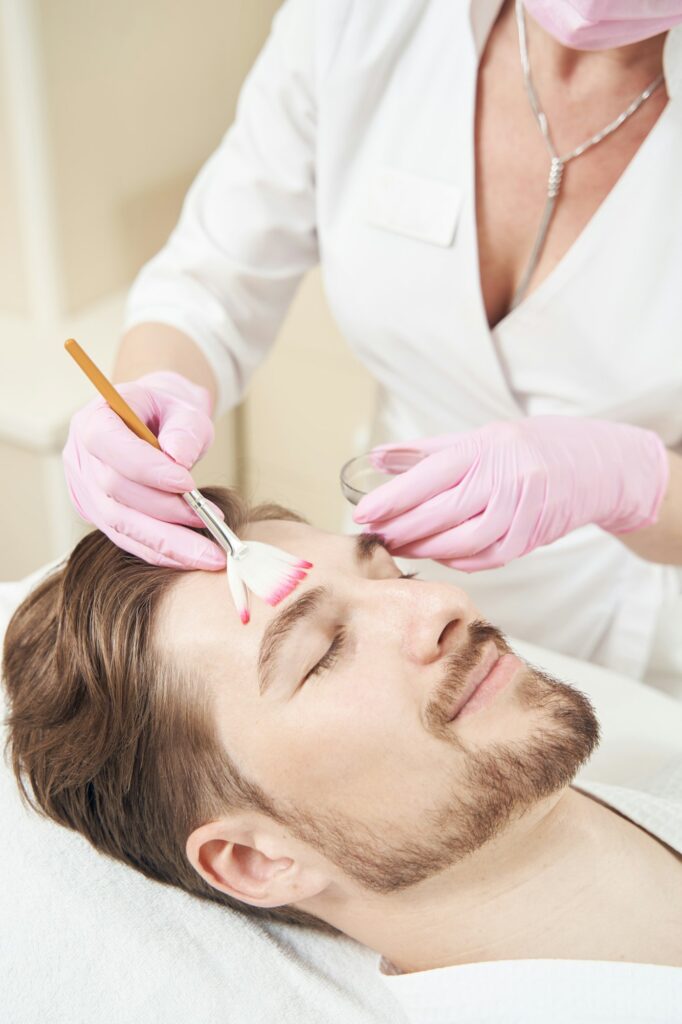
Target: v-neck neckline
<point>585,242</point>
<point>582,245</point>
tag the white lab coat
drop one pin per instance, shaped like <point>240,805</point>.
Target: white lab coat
<point>353,146</point>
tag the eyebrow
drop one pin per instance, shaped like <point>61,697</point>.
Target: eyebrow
<point>279,629</point>
<point>366,544</point>
<point>305,606</point>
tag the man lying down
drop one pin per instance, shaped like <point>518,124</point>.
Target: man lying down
<point>327,765</point>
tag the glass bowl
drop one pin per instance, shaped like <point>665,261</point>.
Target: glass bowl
<point>358,477</point>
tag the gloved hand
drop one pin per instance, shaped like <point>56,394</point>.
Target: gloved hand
<point>130,490</point>
<point>479,499</point>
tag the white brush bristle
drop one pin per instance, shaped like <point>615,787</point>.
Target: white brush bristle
<point>237,589</point>
<point>270,573</point>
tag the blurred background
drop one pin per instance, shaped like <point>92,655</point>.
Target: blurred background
<point>107,112</point>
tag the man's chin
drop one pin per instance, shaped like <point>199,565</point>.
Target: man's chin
<point>561,733</point>
<point>529,704</point>
<point>558,732</point>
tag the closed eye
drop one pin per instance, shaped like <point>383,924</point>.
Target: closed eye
<point>328,659</point>
<point>338,643</point>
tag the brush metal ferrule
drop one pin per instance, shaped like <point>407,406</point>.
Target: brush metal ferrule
<point>228,540</point>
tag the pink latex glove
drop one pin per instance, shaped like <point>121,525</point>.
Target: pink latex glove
<point>479,499</point>
<point>130,490</point>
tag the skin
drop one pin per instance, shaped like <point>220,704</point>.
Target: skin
<point>433,843</point>
<point>580,92</point>
<point>151,346</point>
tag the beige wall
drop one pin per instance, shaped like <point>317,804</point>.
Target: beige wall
<point>140,92</point>
<point>25,544</point>
<point>13,295</point>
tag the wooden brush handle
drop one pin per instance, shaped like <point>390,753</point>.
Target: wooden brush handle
<point>110,394</point>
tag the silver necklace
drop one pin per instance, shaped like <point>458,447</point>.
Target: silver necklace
<point>557,164</point>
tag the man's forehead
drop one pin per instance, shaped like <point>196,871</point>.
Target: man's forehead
<point>198,612</point>
<point>286,532</point>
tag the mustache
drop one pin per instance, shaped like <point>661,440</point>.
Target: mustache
<point>460,663</point>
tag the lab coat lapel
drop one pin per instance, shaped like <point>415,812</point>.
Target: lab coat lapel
<point>420,197</point>
<point>485,375</point>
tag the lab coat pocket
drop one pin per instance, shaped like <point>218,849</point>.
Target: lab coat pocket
<point>423,208</point>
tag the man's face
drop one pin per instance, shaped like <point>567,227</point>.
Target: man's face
<point>338,703</point>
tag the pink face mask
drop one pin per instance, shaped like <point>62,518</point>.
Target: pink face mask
<point>604,24</point>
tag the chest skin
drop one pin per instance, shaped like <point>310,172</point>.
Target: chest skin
<point>512,161</point>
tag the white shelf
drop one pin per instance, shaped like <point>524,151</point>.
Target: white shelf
<point>41,386</point>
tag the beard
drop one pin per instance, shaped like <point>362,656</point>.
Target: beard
<point>496,786</point>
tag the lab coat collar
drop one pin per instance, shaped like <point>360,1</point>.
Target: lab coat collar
<point>672,62</point>
<point>482,15</point>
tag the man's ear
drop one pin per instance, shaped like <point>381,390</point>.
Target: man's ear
<point>250,865</point>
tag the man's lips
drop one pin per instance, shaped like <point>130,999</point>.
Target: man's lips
<point>478,674</point>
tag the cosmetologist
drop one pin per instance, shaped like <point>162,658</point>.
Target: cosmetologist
<point>493,191</point>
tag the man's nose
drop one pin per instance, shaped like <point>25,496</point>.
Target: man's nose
<point>428,620</point>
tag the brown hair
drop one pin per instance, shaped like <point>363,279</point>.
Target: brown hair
<point>111,741</point>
